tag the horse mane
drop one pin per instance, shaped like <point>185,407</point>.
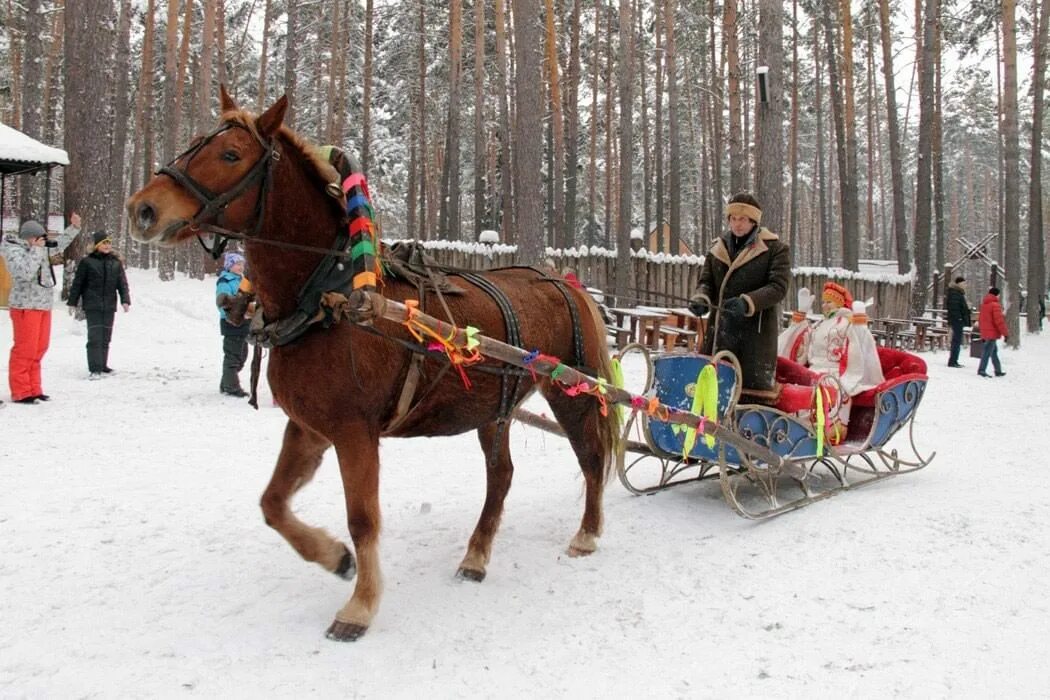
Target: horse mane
<point>318,166</point>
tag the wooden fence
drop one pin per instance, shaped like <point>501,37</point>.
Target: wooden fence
<point>665,280</point>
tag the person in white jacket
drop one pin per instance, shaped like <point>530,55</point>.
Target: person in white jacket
<point>840,345</point>
<point>27,257</point>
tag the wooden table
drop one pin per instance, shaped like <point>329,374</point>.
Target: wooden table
<point>643,324</point>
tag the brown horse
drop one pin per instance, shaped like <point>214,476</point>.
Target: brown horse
<point>341,386</point>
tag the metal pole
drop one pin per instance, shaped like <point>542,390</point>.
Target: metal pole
<point>47,197</point>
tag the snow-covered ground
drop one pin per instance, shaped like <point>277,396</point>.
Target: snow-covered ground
<point>134,561</point>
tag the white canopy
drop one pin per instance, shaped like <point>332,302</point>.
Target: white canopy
<point>20,153</point>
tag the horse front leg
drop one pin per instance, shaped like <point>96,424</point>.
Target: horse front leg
<point>499,470</point>
<point>358,456</point>
<point>301,455</point>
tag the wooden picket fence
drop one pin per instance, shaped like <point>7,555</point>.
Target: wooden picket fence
<point>665,280</point>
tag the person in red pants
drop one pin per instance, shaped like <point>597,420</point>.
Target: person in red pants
<point>27,256</point>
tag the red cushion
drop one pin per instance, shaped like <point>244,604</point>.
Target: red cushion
<point>898,366</point>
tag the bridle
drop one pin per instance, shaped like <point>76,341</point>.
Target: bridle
<point>213,204</point>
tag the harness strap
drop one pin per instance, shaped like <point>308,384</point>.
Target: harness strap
<point>508,388</point>
<point>574,313</point>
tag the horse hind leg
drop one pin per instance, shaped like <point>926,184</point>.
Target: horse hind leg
<point>584,426</point>
<point>301,455</point>
<point>499,470</point>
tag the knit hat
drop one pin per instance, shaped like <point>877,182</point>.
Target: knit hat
<point>231,260</point>
<point>100,237</point>
<point>837,294</point>
<point>31,229</point>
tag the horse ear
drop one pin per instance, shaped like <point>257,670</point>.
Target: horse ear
<point>225,101</point>
<point>270,120</point>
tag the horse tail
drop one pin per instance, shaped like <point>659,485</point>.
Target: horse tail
<point>610,429</point>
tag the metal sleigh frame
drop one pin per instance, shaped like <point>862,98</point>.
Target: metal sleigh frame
<point>756,489</point>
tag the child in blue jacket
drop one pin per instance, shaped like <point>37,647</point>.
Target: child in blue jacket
<point>234,337</point>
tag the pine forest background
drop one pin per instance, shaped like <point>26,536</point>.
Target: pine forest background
<point>883,129</point>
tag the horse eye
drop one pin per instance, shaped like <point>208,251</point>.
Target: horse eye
<point>231,156</point>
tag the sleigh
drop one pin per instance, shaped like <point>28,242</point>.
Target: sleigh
<point>808,468</point>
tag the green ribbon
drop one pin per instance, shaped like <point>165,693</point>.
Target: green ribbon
<point>705,404</point>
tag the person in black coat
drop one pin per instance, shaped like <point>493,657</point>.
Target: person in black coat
<point>958,317</point>
<point>744,278</point>
<point>98,281</point>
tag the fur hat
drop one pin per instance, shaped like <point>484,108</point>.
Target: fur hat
<point>98,238</point>
<point>231,260</point>
<point>31,229</point>
<point>837,293</point>
<point>743,204</point>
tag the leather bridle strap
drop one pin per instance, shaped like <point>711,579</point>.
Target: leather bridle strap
<point>213,204</point>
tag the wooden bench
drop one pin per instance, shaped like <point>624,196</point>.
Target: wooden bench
<point>662,336</point>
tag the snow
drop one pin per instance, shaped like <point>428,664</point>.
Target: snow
<point>134,560</point>
<point>16,146</point>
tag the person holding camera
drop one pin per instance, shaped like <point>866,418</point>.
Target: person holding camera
<point>27,255</point>
<point>98,281</point>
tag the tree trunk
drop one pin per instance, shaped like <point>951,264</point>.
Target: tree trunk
<point>572,125</point>
<point>528,132</point>
<point>1011,174</point>
<point>737,154</point>
<point>449,217</point>
<point>291,59</point>
<point>896,169</point>
<point>674,179</point>
<point>121,116</point>
<point>480,219</point>
<point>626,79</point>
<point>592,160</point>
<point>793,143</point>
<point>769,120</point>
<point>366,96</point>
<point>658,146</point>
<point>31,200</point>
<point>262,98</point>
<point>505,213</point>
<point>923,198</point>
<point>87,136</point>
<point>560,236</point>
<point>936,156</point>
<point>1036,250</point>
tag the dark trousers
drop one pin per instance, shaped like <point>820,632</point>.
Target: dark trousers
<point>990,352</point>
<point>957,333</point>
<point>99,331</point>
<point>234,355</point>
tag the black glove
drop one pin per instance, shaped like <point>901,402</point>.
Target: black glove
<point>698,307</point>
<point>734,307</point>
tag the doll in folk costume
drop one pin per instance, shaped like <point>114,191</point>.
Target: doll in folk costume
<point>841,346</point>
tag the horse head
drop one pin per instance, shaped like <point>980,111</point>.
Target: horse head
<point>217,185</point>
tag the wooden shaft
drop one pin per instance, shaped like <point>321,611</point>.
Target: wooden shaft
<point>397,312</point>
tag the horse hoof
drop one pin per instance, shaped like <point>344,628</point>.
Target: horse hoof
<point>345,631</point>
<point>470,575</point>
<point>578,552</point>
<point>347,568</point>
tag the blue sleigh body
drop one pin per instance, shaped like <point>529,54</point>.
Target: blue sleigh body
<point>862,457</point>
